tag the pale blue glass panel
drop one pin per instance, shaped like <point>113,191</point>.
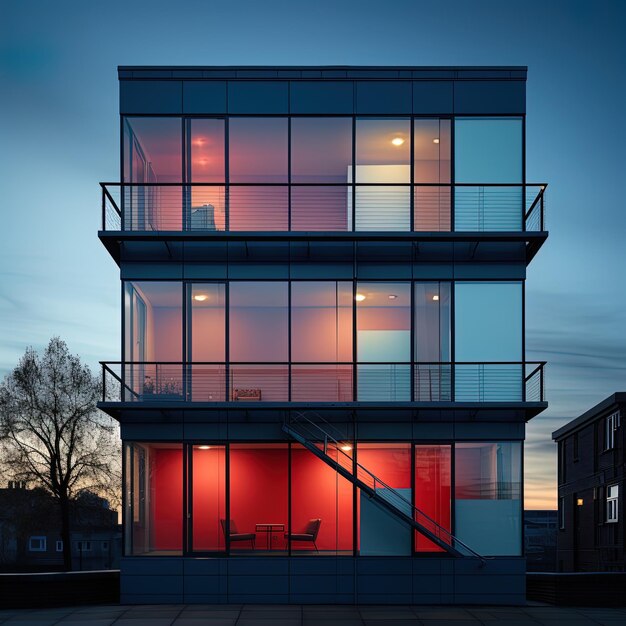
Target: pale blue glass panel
<point>488,509</point>
<point>488,332</point>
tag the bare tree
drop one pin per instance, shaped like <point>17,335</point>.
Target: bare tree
<point>52,434</point>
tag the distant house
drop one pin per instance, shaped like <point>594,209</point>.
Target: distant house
<point>591,486</point>
<point>30,531</point>
<point>540,530</point>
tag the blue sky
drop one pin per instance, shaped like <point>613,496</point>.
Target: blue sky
<point>59,137</point>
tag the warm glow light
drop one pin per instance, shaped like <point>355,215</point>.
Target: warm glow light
<point>435,298</point>
<point>204,447</point>
<point>199,141</point>
<point>436,140</point>
<point>392,296</point>
<point>200,297</point>
<point>397,141</point>
<point>359,297</point>
<point>346,448</point>
<point>579,502</point>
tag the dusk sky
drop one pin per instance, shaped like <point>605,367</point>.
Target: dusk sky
<point>59,136</point>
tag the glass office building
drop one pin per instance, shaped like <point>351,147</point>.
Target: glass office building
<point>323,386</point>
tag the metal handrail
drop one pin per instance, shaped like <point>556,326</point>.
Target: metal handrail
<point>449,537</point>
<point>453,380</point>
<point>118,212</point>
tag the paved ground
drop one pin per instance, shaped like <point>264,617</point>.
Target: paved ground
<point>263,615</point>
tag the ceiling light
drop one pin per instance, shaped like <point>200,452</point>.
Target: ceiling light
<point>436,140</point>
<point>200,297</point>
<point>397,141</point>
<point>204,447</point>
<point>392,296</point>
<point>580,502</point>
<point>435,298</point>
<point>359,297</point>
<point>346,448</point>
<point>199,141</point>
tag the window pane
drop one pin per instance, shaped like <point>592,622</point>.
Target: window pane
<point>321,506</point>
<point>321,208</point>
<point>207,151</point>
<point>206,341</point>
<point>258,497</point>
<point>488,150</point>
<point>383,155</point>
<point>488,328</point>
<point>259,208</point>
<point>153,150</point>
<point>321,149</point>
<point>383,336</point>
<point>380,533</point>
<point>431,146</point>
<point>488,497</point>
<point>258,321</point>
<point>383,150</point>
<point>258,150</point>
<point>157,498</point>
<point>208,497</point>
<point>432,490</point>
<point>153,336</point>
<point>152,154</point>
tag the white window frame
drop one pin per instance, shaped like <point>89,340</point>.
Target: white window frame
<point>59,545</point>
<point>86,545</point>
<point>43,545</point>
<point>612,504</point>
<point>611,424</point>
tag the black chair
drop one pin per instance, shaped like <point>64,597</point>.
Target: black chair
<point>308,534</point>
<point>234,534</point>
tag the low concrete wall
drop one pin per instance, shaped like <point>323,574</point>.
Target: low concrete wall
<point>577,589</point>
<point>59,589</point>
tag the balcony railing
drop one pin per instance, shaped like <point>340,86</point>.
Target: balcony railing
<point>322,382</point>
<point>245,207</point>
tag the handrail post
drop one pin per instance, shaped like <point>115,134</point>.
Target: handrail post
<point>104,383</point>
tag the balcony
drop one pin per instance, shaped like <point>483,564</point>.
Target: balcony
<point>214,208</point>
<point>264,384</point>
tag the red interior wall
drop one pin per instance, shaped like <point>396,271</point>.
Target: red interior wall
<point>167,499</point>
<point>258,491</point>
<point>391,464</point>
<point>317,491</point>
<point>432,489</point>
<point>209,498</point>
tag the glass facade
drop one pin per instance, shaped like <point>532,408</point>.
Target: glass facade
<point>330,173</point>
<point>283,499</point>
<point>295,340</point>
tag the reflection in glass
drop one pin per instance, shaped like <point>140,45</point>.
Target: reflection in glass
<point>488,497</point>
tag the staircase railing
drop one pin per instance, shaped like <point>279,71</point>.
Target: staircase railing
<point>332,448</point>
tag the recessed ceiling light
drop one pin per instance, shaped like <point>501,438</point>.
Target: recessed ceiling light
<point>435,298</point>
<point>392,296</point>
<point>359,297</point>
<point>200,297</point>
<point>346,448</point>
<point>436,140</point>
<point>397,141</point>
<point>204,447</point>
